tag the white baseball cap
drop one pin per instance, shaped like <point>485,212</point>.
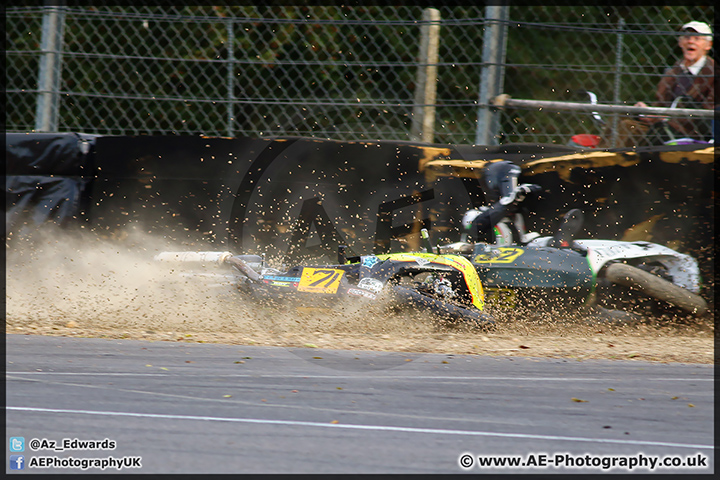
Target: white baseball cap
<point>699,27</point>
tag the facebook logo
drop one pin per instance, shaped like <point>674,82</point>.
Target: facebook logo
<point>17,444</point>
<point>17,462</point>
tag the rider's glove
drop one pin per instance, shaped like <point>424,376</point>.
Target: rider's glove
<point>520,192</point>
<point>526,189</point>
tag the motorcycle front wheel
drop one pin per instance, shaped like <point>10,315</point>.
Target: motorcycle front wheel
<point>656,287</point>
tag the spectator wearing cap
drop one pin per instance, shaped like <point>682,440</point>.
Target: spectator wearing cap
<point>693,77</point>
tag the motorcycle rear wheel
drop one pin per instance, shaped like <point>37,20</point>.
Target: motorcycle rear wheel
<point>657,288</point>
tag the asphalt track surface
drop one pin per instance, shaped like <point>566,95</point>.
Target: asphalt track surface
<point>210,408</point>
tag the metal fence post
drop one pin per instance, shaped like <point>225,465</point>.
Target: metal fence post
<point>423,117</point>
<point>616,86</point>
<point>493,72</point>
<point>46,112</point>
<point>230,77</point>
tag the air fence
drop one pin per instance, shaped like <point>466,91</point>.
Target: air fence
<point>403,73</point>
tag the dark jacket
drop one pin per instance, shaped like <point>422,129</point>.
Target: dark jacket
<point>700,87</point>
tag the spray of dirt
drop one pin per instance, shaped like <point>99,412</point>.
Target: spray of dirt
<point>69,284</point>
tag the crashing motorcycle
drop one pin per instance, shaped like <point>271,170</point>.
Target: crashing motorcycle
<point>446,287</point>
<point>561,271</point>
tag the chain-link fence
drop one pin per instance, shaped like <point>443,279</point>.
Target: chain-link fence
<point>345,73</point>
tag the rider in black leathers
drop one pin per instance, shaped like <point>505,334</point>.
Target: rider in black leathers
<point>493,224</point>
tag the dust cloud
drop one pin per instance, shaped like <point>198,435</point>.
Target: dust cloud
<point>114,287</point>
<point>84,285</point>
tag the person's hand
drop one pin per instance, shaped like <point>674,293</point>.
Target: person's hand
<point>648,119</point>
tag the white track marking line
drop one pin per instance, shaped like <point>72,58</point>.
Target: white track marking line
<point>363,427</point>
<point>272,405</point>
<point>394,415</point>
<point>374,377</point>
